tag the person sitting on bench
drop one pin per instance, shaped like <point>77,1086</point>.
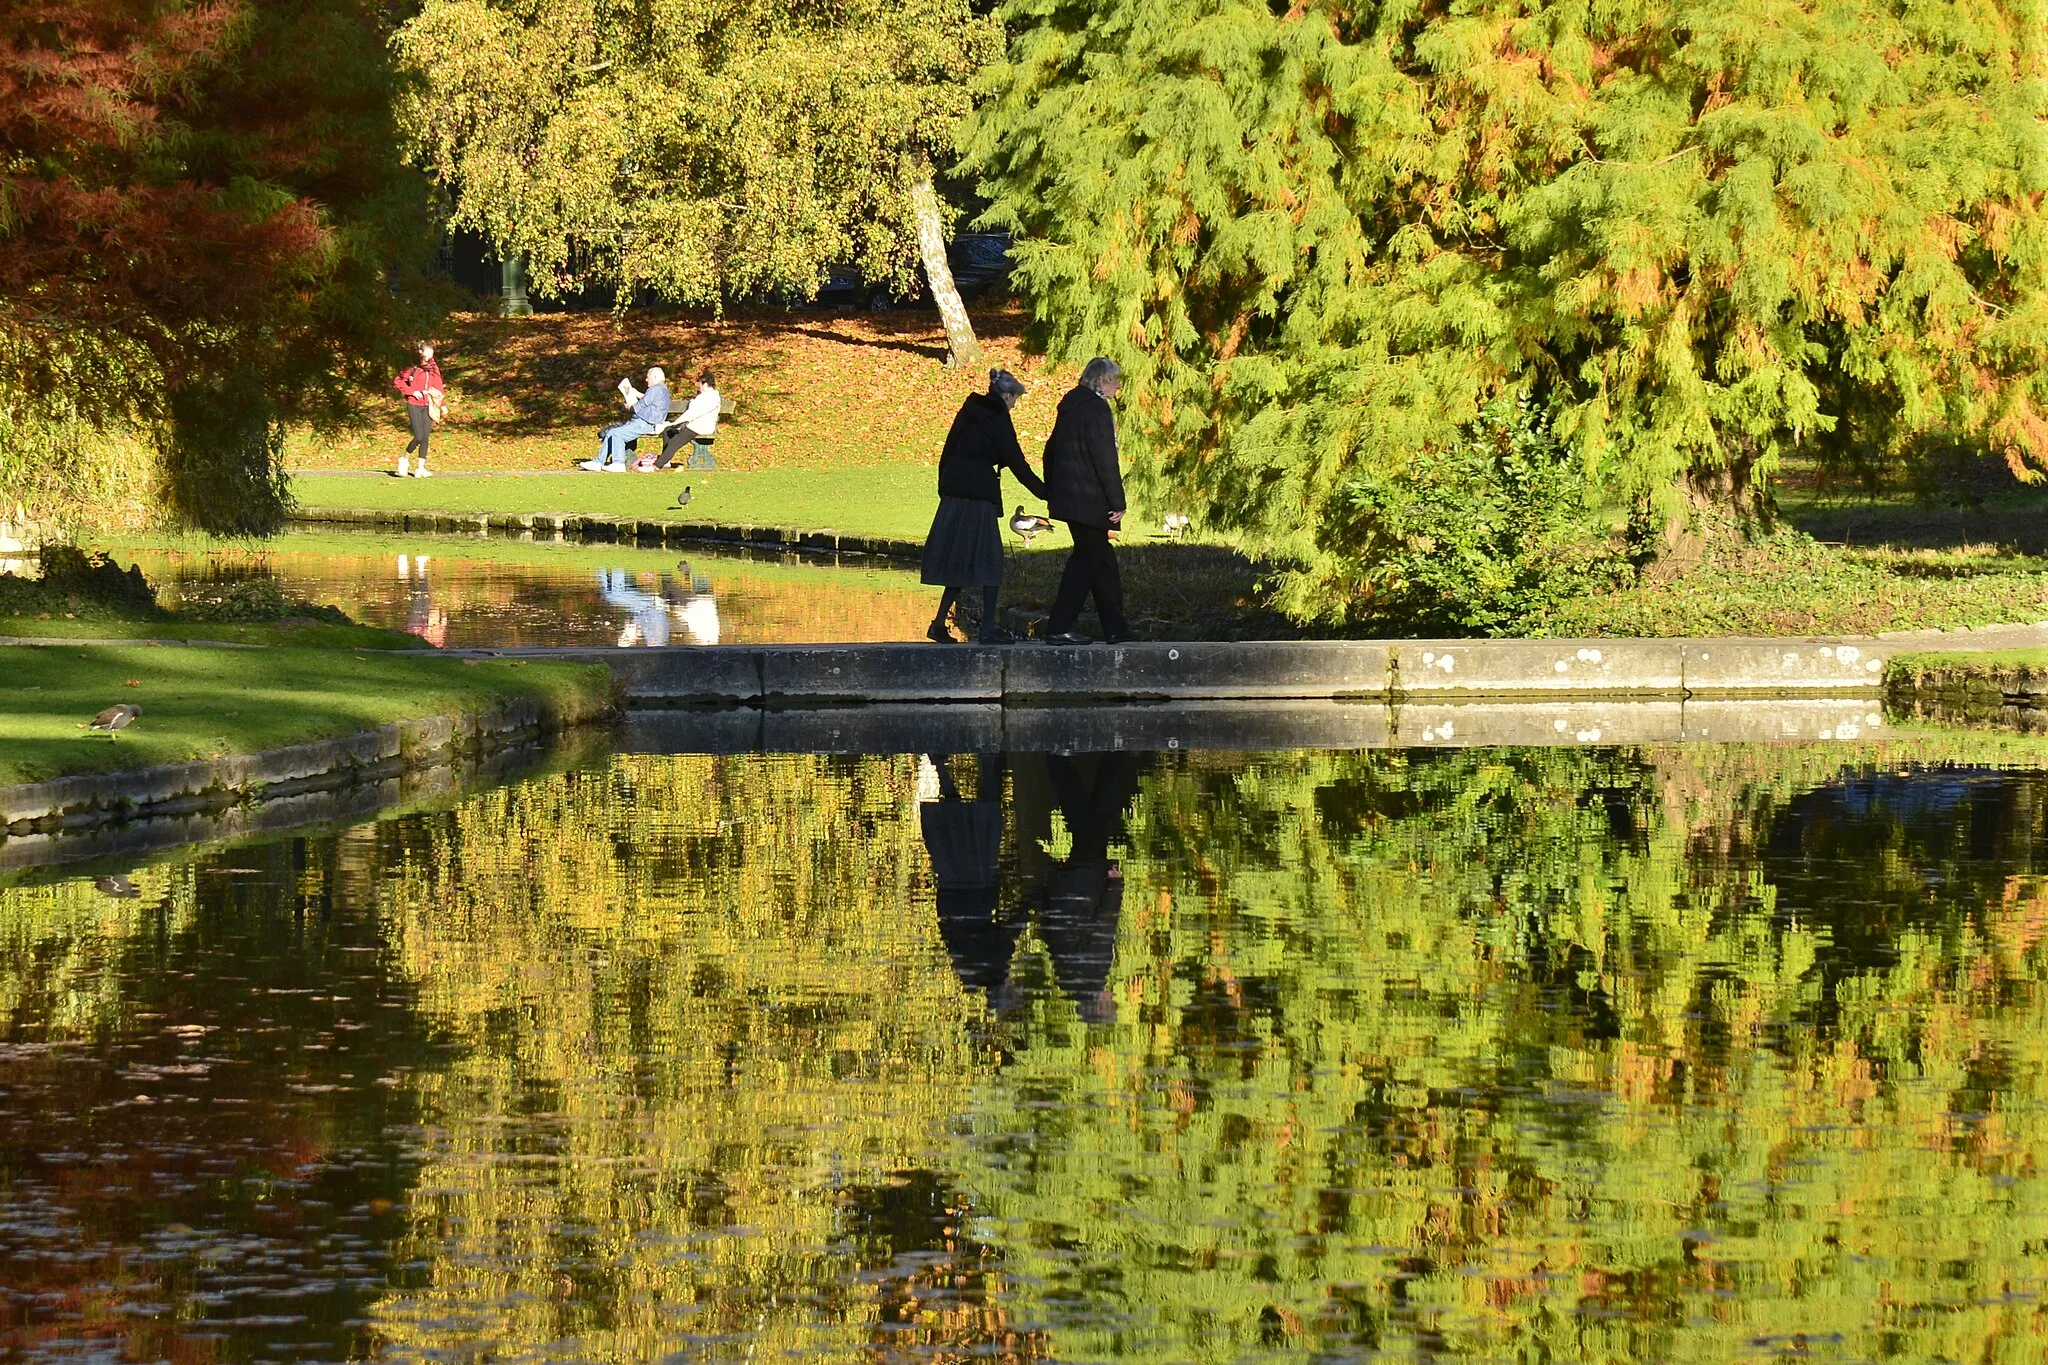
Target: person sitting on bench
<point>697,425</point>
<point>649,409</point>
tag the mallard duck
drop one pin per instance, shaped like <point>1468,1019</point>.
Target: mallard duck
<point>1028,526</point>
<point>1175,524</point>
<point>115,719</point>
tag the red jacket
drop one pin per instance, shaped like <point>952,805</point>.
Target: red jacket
<point>415,382</point>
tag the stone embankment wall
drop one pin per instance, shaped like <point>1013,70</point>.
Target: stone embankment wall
<point>2008,688</point>
<point>1442,670</point>
<point>46,810</point>
<point>607,530</point>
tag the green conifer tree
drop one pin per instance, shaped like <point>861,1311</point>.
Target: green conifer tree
<point>1320,236</point>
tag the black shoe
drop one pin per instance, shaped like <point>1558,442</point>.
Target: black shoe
<point>1066,637</point>
<point>939,635</point>
<point>996,635</point>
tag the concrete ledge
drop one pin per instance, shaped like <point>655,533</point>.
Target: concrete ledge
<point>1642,668</point>
<point>881,673</point>
<point>1280,669</point>
<point>1788,665</point>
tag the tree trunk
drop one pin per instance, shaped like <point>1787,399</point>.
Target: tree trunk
<point>961,347</point>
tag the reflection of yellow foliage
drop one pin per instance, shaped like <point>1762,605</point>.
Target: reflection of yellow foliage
<point>697,997</point>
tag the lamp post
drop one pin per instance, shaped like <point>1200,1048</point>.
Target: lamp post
<point>512,287</point>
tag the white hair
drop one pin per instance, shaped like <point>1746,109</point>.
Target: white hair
<point>655,376</point>
<point>1099,372</point>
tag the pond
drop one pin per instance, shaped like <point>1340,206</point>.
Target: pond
<point>473,591</point>
<point>1714,1052</point>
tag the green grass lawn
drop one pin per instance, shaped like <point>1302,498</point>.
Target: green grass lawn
<point>200,702</point>
<point>90,626</point>
<point>894,500</point>
<point>888,500</point>
<point>1790,585</point>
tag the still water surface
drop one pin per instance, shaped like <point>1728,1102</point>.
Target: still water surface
<point>474,592</point>
<point>1681,1053</point>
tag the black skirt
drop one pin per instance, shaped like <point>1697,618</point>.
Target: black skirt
<point>965,547</point>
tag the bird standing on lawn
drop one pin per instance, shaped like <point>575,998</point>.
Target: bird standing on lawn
<point>683,498</point>
<point>1175,524</point>
<point>1028,526</point>
<point>115,719</point>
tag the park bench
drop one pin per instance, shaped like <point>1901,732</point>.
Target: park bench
<point>674,437</point>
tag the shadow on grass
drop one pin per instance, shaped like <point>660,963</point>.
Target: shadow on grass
<point>530,376</point>
<point>1180,592</point>
<point>2019,525</point>
<point>922,349</point>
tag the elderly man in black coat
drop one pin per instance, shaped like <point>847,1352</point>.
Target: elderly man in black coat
<point>1085,489</point>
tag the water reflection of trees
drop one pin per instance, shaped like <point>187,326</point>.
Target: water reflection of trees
<point>199,1097</point>
<point>1497,1055</point>
<point>712,1041</point>
<point>1701,1054</point>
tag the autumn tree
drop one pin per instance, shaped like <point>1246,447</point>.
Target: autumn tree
<point>201,219</point>
<point>1694,237</point>
<point>699,150</point>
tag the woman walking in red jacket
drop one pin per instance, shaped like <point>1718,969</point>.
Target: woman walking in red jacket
<point>424,394</point>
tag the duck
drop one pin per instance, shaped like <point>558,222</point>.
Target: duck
<point>115,719</point>
<point>1175,524</point>
<point>1028,526</point>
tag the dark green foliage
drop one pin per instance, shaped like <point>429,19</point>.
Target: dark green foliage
<point>1487,538</point>
<point>1320,237</point>
<point>222,455</point>
<point>67,572</point>
<point>253,599</point>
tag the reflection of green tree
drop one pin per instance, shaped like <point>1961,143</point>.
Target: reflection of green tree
<point>704,1008</point>
<point>1494,1054</point>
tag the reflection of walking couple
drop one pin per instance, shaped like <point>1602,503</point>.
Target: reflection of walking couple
<point>650,613</point>
<point>1074,894</point>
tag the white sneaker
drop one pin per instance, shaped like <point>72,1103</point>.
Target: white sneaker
<point>404,465</point>
<point>594,466</point>
<point>423,472</point>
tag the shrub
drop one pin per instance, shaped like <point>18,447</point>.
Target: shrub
<point>1488,537</point>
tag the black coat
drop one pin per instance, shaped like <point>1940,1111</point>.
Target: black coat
<point>982,442</point>
<point>1080,461</point>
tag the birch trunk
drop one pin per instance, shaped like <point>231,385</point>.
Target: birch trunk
<point>961,347</point>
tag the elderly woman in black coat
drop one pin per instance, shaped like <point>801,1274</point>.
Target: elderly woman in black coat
<point>965,547</point>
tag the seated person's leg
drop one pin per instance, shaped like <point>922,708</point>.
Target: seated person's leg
<point>671,445</point>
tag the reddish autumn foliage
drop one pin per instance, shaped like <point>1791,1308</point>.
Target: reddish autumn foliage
<point>201,214</point>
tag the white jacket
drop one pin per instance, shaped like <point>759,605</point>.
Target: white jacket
<point>700,418</point>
